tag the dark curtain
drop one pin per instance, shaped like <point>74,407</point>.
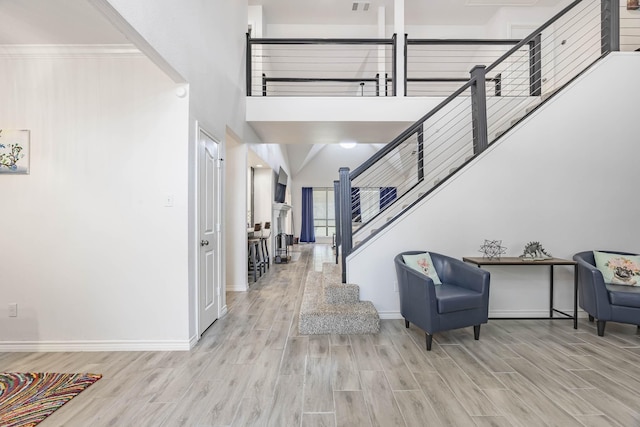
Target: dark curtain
<point>355,204</point>
<point>307,234</point>
<point>387,196</point>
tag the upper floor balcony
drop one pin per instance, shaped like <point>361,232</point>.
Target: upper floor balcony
<point>324,90</point>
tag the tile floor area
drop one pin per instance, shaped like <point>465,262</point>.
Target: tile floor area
<point>251,368</point>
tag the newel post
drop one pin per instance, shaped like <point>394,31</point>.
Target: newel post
<point>336,202</point>
<point>610,27</point>
<point>479,109</point>
<point>535,66</point>
<point>345,218</point>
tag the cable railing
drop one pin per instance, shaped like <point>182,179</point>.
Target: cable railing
<point>437,67</point>
<point>471,118</point>
<point>321,67</point>
<point>561,51</point>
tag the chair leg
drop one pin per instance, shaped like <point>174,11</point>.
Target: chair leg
<point>429,341</point>
<point>476,332</point>
<point>406,323</point>
<point>601,324</point>
<point>591,318</point>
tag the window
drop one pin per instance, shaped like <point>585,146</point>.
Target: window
<point>324,212</point>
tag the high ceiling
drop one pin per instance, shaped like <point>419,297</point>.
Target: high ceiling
<point>55,22</point>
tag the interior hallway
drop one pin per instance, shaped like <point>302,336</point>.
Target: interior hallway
<point>252,369</point>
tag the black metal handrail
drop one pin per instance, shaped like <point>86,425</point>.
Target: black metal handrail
<point>278,76</point>
<point>533,35</point>
<point>266,80</point>
<point>407,133</point>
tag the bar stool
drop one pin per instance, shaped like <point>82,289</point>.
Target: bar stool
<point>253,262</point>
<point>260,253</point>
<point>264,241</point>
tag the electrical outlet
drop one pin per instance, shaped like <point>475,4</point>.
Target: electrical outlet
<point>168,200</point>
<point>13,309</point>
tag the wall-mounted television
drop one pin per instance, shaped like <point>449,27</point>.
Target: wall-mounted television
<point>281,186</point>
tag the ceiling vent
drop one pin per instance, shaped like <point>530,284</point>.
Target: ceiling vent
<point>360,5</point>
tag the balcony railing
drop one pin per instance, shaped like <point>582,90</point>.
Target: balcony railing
<point>321,67</point>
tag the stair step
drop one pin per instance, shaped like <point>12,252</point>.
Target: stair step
<point>319,318</point>
<point>341,293</point>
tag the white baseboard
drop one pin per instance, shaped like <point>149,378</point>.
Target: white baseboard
<point>76,346</point>
<point>193,341</point>
<point>236,288</point>
<point>393,315</point>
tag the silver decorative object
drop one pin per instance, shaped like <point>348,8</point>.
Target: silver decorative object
<point>535,251</point>
<point>492,249</point>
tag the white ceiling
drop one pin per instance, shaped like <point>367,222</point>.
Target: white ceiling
<point>55,22</point>
<point>417,12</point>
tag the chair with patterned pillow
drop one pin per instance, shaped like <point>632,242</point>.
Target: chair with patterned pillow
<point>608,287</point>
<point>440,293</point>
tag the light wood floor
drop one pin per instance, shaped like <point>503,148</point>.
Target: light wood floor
<point>253,369</point>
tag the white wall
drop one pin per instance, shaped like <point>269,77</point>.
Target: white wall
<point>193,37</point>
<point>564,177</point>
<point>88,251</point>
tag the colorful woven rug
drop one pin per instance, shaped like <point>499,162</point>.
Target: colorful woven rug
<point>27,399</point>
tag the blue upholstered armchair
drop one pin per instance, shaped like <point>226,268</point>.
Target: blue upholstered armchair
<point>461,300</point>
<point>604,301</point>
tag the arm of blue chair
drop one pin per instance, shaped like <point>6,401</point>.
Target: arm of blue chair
<point>459,273</point>
<point>417,296</point>
<point>594,297</point>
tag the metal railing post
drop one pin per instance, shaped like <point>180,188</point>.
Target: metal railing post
<point>535,66</point>
<point>479,109</point>
<point>336,202</point>
<point>406,53</point>
<point>394,67</point>
<point>264,84</point>
<point>248,64</point>
<point>610,26</point>
<point>421,153</point>
<point>345,218</point>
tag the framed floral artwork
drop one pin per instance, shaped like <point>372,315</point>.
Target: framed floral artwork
<point>14,151</point>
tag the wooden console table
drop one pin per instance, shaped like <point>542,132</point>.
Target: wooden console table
<point>479,261</point>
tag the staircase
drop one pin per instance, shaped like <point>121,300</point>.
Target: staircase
<point>331,307</point>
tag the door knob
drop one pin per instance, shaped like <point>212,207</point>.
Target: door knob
<point>204,242</point>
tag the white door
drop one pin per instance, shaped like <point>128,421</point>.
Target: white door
<point>209,231</point>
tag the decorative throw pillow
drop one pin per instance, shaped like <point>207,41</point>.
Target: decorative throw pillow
<point>423,264</point>
<point>618,269</point>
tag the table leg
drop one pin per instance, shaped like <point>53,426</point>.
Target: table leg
<point>551,292</point>
<point>575,297</point>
